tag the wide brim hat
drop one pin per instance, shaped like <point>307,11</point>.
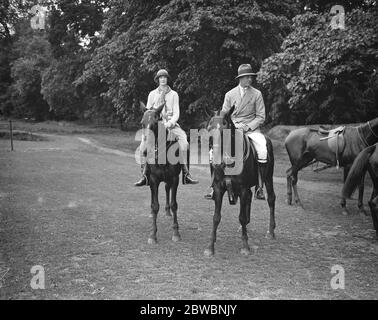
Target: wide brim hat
<point>245,70</point>
<point>161,73</point>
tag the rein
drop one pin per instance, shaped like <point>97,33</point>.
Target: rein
<point>371,129</point>
<point>246,146</point>
<point>361,136</point>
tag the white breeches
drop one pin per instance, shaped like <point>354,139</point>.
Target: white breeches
<point>259,142</point>
<point>173,133</point>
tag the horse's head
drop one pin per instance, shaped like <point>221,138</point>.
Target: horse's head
<point>221,121</point>
<point>150,117</point>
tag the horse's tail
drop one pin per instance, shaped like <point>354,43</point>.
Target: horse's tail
<point>357,171</point>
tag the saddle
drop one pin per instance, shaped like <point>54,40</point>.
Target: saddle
<point>331,132</point>
<point>335,139</point>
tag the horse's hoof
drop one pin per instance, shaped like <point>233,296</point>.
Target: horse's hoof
<point>176,238</point>
<point>345,213</point>
<point>299,204</point>
<point>270,235</point>
<point>289,202</point>
<point>168,214</point>
<point>245,251</point>
<point>151,241</point>
<point>363,213</point>
<point>208,253</point>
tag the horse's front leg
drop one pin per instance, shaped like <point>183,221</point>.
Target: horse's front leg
<point>154,186</point>
<point>361,187</point>
<point>218,197</point>
<point>344,210</point>
<point>167,204</point>
<point>244,217</point>
<point>176,235</point>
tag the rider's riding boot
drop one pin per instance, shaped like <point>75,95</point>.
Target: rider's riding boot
<point>259,192</point>
<point>144,180</point>
<point>210,195</point>
<point>186,178</point>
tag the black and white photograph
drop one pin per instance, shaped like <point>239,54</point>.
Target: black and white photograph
<point>189,155</point>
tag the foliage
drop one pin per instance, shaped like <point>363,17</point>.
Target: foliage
<point>325,75</point>
<point>200,42</point>
<point>33,57</point>
<point>72,23</point>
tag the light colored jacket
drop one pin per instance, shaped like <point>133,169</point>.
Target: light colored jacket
<point>171,111</point>
<point>249,110</point>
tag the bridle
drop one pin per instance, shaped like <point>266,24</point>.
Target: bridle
<point>371,129</point>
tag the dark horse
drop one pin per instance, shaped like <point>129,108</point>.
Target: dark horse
<point>168,173</point>
<point>367,160</point>
<point>306,146</point>
<point>239,186</point>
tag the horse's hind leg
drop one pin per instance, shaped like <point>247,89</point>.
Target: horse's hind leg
<point>154,211</point>
<point>244,219</point>
<point>218,196</point>
<point>272,205</point>
<point>167,205</point>
<point>176,235</point>
<point>294,181</point>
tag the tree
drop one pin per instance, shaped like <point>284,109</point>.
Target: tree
<point>325,75</point>
<point>200,42</point>
<point>73,25</point>
<point>33,57</point>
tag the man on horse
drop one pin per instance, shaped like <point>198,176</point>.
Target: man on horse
<point>249,115</point>
<point>170,114</point>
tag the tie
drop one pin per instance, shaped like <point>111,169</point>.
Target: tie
<point>243,92</point>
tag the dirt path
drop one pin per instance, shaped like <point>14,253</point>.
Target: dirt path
<point>70,206</point>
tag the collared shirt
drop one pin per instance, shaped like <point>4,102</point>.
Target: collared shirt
<point>171,111</point>
<point>242,90</point>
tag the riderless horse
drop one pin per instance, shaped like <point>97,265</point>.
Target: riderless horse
<point>238,185</point>
<point>337,147</point>
<point>367,160</point>
<point>166,172</point>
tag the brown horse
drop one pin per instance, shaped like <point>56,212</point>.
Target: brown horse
<point>367,160</point>
<point>306,146</point>
<point>168,173</point>
<point>238,185</point>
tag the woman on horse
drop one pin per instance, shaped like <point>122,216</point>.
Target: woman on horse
<point>249,115</point>
<point>170,115</point>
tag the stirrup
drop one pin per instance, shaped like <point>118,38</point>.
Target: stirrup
<point>187,179</point>
<point>210,195</point>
